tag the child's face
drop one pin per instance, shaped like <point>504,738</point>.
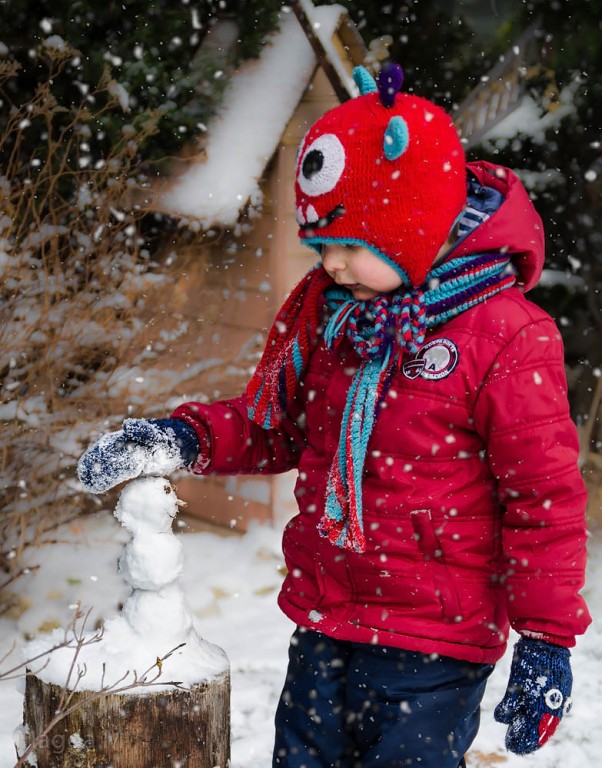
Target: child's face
<point>358,269</point>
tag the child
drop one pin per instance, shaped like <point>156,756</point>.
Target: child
<point>422,400</point>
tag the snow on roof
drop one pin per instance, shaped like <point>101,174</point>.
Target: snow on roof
<point>244,134</point>
<point>530,119</point>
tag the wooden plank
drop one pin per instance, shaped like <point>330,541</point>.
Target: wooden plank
<point>330,70</point>
<point>500,94</point>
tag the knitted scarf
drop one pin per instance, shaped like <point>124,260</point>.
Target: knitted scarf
<point>380,331</point>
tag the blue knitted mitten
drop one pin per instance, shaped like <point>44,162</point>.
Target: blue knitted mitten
<point>538,694</point>
<point>140,447</point>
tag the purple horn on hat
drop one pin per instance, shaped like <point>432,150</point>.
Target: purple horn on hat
<point>389,80</point>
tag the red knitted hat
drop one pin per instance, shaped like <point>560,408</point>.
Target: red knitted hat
<point>385,170</point>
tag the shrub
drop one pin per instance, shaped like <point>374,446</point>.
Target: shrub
<point>80,126</point>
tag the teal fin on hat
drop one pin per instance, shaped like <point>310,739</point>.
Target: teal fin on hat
<point>364,80</point>
<point>397,138</point>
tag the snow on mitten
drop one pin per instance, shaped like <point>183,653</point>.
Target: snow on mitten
<point>140,447</point>
<point>538,694</point>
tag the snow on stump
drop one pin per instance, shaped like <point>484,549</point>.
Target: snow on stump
<point>147,690</point>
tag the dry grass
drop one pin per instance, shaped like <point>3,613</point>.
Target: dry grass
<point>477,759</point>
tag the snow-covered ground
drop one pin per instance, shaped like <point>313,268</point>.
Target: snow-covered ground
<point>231,583</point>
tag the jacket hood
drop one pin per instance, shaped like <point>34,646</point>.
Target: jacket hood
<point>515,227</point>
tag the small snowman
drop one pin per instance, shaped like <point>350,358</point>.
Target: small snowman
<point>153,560</point>
<point>153,638</point>
<point>151,564</point>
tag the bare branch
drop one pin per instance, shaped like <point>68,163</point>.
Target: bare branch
<point>10,674</point>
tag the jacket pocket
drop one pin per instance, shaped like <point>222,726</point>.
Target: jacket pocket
<point>432,552</point>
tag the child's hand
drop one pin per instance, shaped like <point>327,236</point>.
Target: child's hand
<point>538,694</point>
<point>141,447</point>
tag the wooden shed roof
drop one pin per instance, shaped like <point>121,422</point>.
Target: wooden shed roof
<point>259,101</point>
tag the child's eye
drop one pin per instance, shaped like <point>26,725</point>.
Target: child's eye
<point>321,165</point>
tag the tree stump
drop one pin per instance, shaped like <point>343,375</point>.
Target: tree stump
<point>86,722</point>
<point>166,729</point>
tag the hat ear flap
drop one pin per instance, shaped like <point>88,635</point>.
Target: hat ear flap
<point>364,81</point>
<point>397,138</point>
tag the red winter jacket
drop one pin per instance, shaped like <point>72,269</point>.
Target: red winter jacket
<point>473,502</point>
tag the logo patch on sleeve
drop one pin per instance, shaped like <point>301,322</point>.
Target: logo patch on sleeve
<point>436,360</point>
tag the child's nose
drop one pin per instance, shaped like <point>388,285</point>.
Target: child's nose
<point>333,259</point>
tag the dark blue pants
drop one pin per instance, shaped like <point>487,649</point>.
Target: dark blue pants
<point>353,705</point>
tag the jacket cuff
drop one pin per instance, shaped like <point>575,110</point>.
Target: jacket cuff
<point>202,457</point>
<point>544,637</point>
